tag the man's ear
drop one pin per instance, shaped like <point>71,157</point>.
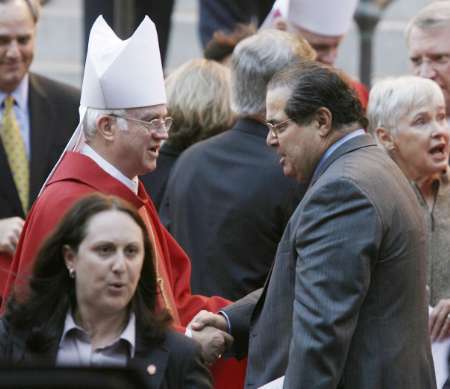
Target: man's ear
<point>385,138</point>
<point>105,127</point>
<point>324,119</point>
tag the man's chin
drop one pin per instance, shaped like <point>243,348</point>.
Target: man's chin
<point>9,82</point>
<point>150,168</point>
<point>288,172</point>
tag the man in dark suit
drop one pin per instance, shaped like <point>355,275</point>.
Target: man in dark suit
<point>45,111</point>
<point>227,201</point>
<point>224,15</point>
<point>345,305</point>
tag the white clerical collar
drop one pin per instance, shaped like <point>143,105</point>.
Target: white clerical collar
<point>132,184</point>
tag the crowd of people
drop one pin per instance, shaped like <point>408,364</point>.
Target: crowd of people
<point>256,217</point>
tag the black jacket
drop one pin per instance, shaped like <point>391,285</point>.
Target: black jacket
<point>227,203</point>
<point>177,360</point>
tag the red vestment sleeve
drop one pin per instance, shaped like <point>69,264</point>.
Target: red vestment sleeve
<point>5,264</point>
<point>178,266</point>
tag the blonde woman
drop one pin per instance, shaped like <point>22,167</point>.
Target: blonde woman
<point>198,95</point>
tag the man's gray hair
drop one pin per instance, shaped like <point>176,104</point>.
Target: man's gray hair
<point>392,98</point>
<point>89,124</point>
<point>255,60</point>
<point>434,15</point>
<point>34,7</point>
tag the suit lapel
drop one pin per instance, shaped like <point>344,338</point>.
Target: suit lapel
<point>349,146</point>
<point>42,121</point>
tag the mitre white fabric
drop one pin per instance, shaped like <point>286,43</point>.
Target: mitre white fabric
<point>324,17</point>
<point>119,74</point>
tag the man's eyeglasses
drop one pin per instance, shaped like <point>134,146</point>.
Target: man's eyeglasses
<point>157,125</point>
<point>278,128</point>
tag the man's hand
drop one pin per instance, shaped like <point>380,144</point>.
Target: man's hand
<point>205,318</point>
<point>211,331</point>
<point>214,342</point>
<point>10,230</point>
<point>439,321</point>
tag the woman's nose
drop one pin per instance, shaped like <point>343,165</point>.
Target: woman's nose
<point>119,262</point>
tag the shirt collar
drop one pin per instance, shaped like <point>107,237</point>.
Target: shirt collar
<point>128,334</point>
<point>20,94</point>
<point>132,184</point>
<point>336,145</point>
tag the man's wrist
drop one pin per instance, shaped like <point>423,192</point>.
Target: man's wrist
<point>227,319</point>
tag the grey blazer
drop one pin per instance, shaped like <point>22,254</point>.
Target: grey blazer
<point>345,304</point>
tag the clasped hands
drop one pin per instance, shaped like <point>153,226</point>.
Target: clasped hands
<point>210,330</point>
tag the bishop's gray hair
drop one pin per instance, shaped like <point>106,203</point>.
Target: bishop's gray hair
<point>92,114</point>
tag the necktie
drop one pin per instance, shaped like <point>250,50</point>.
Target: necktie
<point>15,151</point>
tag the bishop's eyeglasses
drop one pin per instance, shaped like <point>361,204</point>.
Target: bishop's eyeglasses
<point>157,125</point>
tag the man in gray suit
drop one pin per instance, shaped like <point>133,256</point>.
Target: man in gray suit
<point>344,305</point>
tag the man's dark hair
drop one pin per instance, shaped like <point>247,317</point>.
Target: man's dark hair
<point>314,86</point>
<point>42,310</point>
<point>222,43</point>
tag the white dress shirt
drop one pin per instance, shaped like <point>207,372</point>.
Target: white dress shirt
<point>75,347</point>
<point>21,111</point>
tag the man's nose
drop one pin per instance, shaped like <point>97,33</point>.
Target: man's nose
<point>328,56</point>
<point>160,135</point>
<point>271,140</point>
<point>426,70</point>
<point>12,51</point>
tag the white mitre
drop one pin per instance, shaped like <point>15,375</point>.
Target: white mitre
<point>324,17</point>
<point>119,74</point>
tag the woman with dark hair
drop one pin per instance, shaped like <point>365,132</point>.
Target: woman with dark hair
<point>91,301</point>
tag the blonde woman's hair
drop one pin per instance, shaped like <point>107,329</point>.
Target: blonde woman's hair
<point>198,99</point>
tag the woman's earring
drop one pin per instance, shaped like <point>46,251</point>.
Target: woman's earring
<point>71,273</point>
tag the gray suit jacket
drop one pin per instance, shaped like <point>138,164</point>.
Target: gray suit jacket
<point>345,304</point>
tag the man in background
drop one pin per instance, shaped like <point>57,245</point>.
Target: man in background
<point>224,15</point>
<point>427,37</point>
<point>323,23</point>
<point>37,117</point>
<point>227,201</point>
